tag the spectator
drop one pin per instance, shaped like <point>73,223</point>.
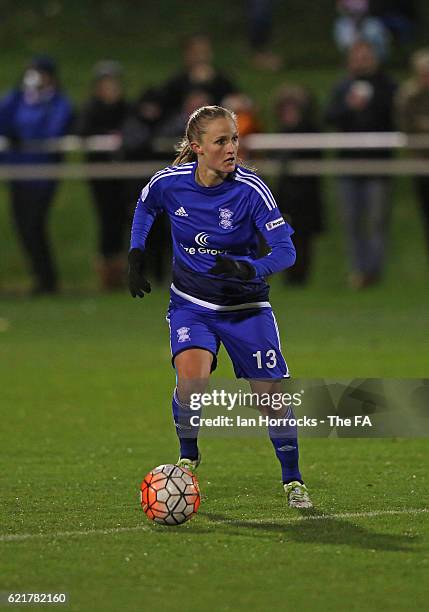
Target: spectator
<point>363,102</point>
<point>141,126</point>
<point>299,197</point>
<point>247,117</point>
<point>36,110</point>
<point>146,122</point>
<point>176,124</point>
<point>412,106</point>
<point>355,23</point>
<point>198,73</point>
<point>260,13</point>
<point>399,16</point>
<point>104,113</point>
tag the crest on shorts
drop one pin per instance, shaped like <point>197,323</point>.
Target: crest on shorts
<point>183,334</point>
<point>225,218</point>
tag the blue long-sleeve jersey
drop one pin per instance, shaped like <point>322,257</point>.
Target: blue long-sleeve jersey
<point>207,221</point>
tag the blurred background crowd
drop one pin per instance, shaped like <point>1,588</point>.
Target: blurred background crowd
<point>367,97</point>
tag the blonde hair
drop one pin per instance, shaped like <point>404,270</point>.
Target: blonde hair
<point>195,128</point>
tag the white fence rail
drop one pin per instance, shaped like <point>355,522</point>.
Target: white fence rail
<point>261,148</point>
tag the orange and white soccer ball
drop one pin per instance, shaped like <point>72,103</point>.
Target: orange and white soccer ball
<point>170,495</point>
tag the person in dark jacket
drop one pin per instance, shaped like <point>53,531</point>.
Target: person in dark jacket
<point>140,130</point>
<point>363,102</point>
<point>299,197</point>
<point>198,72</point>
<point>104,113</point>
<point>34,111</point>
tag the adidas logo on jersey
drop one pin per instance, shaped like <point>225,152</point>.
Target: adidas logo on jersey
<point>181,212</point>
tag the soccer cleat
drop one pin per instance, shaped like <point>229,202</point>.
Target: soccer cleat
<point>297,495</point>
<point>189,464</point>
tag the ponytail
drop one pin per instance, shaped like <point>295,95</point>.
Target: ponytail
<point>185,153</point>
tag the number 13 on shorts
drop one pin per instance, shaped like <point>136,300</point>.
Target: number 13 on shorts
<point>267,359</point>
<point>254,346</point>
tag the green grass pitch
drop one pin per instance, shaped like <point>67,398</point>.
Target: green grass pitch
<point>85,380</point>
<point>85,413</point>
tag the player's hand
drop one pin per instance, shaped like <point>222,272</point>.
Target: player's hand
<point>137,283</point>
<point>228,267</point>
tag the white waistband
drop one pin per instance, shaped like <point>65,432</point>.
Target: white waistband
<point>211,306</point>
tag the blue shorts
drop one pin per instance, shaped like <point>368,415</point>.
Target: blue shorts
<point>250,337</point>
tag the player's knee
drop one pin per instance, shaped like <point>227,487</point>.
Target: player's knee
<point>193,371</point>
<point>193,364</point>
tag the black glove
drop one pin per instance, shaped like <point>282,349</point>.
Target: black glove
<point>226,266</point>
<point>137,283</point>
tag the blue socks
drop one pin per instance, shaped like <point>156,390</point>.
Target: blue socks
<point>285,441</point>
<point>284,438</point>
<point>186,432</point>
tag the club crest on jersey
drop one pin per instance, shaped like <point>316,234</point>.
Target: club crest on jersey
<point>183,334</point>
<point>225,216</point>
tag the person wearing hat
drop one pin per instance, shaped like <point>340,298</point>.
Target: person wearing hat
<point>34,111</point>
<point>104,113</point>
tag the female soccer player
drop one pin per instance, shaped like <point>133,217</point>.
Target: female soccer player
<point>219,293</point>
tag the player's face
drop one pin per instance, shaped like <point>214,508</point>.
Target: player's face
<point>218,148</point>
